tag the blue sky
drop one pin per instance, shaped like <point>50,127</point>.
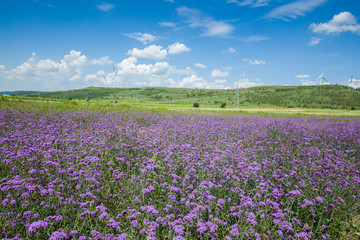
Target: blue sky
<point>61,44</point>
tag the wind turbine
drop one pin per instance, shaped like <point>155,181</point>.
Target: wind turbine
<point>105,80</point>
<point>113,75</point>
<point>179,79</point>
<point>321,77</point>
<point>351,79</point>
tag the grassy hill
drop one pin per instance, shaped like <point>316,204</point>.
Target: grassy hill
<point>320,96</point>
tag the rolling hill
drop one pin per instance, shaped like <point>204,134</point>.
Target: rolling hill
<point>318,96</point>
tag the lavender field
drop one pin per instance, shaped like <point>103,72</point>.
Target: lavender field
<point>138,175</point>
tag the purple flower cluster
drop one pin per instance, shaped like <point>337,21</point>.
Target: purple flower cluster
<point>136,175</point>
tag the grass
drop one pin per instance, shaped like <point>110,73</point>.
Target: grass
<point>108,105</point>
<point>324,96</point>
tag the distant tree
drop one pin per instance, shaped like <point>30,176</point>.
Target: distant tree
<point>196,105</point>
<point>223,105</point>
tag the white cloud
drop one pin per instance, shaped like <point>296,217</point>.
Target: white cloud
<point>294,9</point>
<point>342,22</point>
<point>302,76</point>
<point>177,48</point>
<point>50,74</point>
<point>143,74</point>
<point>220,81</point>
<point>192,81</point>
<point>167,24</point>
<point>101,78</point>
<point>354,83</point>
<point>145,38</point>
<point>211,27</point>
<point>101,61</point>
<point>75,70</point>
<point>256,38</point>
<point>256,62</point>
<point>150,52</point>
<point>305,82</point>
<point>231,50</point>
<point>314,41</point>
<point>252,3</point>
<point>244,83</point>
<point>106,7</point>
<point>216,86</point>
<point>200,65</point>
<point>216,73</point>
<point>156,74</point>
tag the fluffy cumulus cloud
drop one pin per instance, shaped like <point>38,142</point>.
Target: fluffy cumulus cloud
<point>354,83</point>
<point>244,83</point>
<point>192,81</point>
<point>156,52</point>
<point>177,48</point>
<point>51,74</point>
<point>211,27</point>
<point>106,7</point>
<point>216,73</point>
<point>342,22</point>
<point>156,74</point>
<point>200,65</point>
<point>76,70</point>
<point>143,74</point>
<point>294,9</point>
<point>150,52</point>
<point>252,3</point>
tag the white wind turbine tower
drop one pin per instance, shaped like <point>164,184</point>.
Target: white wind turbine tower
<point>111,76</point>
<point>179,79</point>
<point>321,77</point>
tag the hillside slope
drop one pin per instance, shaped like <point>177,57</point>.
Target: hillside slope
<point>320,96</point>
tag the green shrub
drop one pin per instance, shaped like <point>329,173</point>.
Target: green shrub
<point>196,105</point>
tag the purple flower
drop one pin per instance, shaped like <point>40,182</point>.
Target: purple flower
<point>103,215</point>
<point>55,218</point>
<point>96,234</point>
<point>178,229</point>
<point>36,225</point>
<point>178,238</point>
<point>134,223</point>
<point>234,232</point>
<point>57,235</point>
